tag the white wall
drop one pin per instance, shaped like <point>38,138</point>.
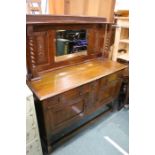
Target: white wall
<point>122,5</point>
<point>44,6</point>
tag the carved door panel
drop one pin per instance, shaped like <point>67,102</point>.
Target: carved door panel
<point>40,54</point>
<point>106,93</point>
<point>109,89</point>
<point>37,48</point>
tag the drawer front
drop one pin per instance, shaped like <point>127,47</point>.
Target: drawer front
<point>69,95</point>
<point>114,76</point>
<point>51,102</point>
<point>86,88</point>
<point>110,78</point>
<point>103,81</point>
<point>62,99</point>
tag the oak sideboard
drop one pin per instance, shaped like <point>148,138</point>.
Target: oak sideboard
<point>69,73</point>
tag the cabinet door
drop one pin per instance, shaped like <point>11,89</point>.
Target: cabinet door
<point>69,109</point>
<point>109,91</point>
<point>90,94</point>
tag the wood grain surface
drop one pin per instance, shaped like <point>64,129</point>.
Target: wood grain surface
<point>61,80</point>
<point>61,19</point>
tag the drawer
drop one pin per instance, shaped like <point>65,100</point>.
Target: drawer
<point>87,88</point>
<point>69,95</point>
<point>62,99</point>
<point>51,102</point>
<point>103,81</point>
<point>114,76</point>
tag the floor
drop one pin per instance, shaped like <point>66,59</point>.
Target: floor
<point>109,136</point>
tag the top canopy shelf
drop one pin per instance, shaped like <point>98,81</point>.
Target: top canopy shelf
<point>53,19</point>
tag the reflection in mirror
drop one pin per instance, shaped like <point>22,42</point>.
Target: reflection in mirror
<point>70,43</point>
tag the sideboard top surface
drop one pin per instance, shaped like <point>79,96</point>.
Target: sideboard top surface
<point>61,80</point>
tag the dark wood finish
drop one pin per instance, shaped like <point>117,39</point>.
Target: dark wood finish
<point>41,41</point>
<point>58,81</point>
<point>61,19</point>
<point>63,111</point>
<point>72,92</point>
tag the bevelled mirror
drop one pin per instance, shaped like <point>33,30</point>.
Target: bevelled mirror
<point>70,44</point>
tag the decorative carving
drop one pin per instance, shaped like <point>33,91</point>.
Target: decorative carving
<point>32,52</point>
<point>107,41</point>
<point>40,49</point>
<point>96,41</point>
<point>41,46</point>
